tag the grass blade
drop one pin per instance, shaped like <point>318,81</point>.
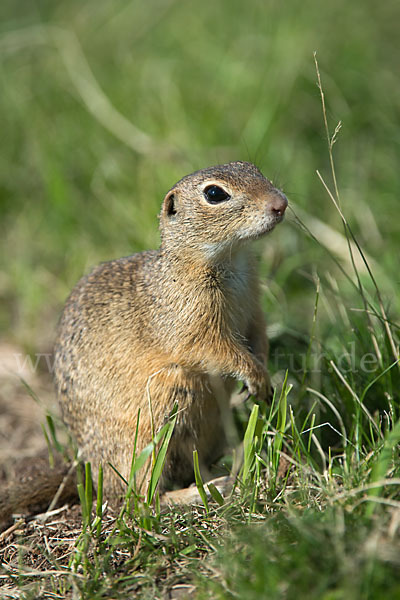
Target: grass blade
<point>249,444</point>
<point>281,424</point>
<point>215,494</point>
<point>160,458</point>
<point>199,480</point>
<point>99,503</point>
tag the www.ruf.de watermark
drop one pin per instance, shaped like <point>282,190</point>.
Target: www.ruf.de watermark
<point>313,362</point>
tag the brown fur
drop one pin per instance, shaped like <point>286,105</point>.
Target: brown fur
<point>162,325</point>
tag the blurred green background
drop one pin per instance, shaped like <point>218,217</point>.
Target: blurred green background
<point>104,105</point>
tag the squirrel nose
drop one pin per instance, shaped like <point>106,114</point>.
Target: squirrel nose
<point>278,204</point>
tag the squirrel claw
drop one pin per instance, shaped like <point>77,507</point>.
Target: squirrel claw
<point>243,390</point>
<point>269,396</point>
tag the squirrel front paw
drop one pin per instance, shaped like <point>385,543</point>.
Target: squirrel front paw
<point>261,388</point>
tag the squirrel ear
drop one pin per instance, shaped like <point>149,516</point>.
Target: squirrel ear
<point>170,204</point>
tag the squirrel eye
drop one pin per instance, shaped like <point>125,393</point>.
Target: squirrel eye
<point>215,194</point>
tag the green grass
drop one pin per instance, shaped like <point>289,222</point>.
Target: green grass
<point>316,509</point>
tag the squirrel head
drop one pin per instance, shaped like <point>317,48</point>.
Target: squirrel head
<point>216,210</point>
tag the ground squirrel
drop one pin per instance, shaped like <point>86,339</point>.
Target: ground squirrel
<point>178,325</point>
